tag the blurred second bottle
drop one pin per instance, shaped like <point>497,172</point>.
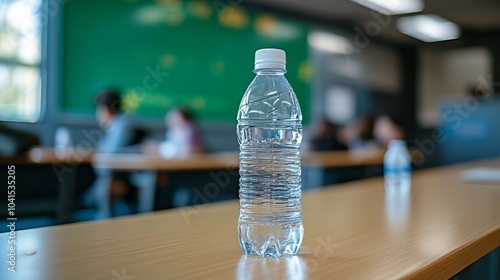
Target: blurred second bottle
<point>397,167</point>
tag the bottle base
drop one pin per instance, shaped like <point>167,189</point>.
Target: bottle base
<point>270,239</point>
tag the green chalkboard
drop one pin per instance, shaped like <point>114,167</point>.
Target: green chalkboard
<point>162,54</point>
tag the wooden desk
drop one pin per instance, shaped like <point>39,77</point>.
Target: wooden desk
<point>64,163</point>
<point>343,158</point>
<point>136,162</point>
<point>142,162</point>
<point>48,155</point>
<point>352,231</point>
<point>221,161</point>
<point>229,160</point>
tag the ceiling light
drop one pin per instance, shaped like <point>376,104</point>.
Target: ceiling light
<point>329,42</point>
<point>393,7</point>
<point>428,28</point>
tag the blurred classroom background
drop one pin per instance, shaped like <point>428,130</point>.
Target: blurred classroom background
<point>362,77</point>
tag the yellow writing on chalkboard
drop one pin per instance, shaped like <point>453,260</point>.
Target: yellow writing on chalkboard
<point>200,9</point>
<point>233,17</point>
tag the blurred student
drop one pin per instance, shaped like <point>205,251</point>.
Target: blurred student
<point>182,137</point>
<point>386,129</point>
<point>117,126</point>
<point>119,133</point>
<point>326,137</point>
<point>358,134</point>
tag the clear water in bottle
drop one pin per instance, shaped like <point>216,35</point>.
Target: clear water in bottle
<point>270,133</point>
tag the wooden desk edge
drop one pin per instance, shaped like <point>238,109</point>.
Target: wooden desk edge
<point>452,263</point>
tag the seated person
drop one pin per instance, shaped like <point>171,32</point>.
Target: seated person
<point>119,133</point>
<point>387,129</point>
<point>118,129</point>
<point>182,137</point>
<point>326,138</point>
<point>358,135</point>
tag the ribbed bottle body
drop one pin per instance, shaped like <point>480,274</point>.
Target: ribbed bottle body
<point>270,133</point>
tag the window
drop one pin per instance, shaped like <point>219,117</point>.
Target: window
<point>20,52</point>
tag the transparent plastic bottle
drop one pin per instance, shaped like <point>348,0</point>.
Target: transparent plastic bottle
<point>63,142</point>
<point>270,133</point>
<point>397,167</point>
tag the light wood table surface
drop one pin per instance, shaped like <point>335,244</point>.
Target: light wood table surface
<point>352,231</point>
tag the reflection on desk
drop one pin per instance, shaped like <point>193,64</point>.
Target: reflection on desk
<point>287,267</point>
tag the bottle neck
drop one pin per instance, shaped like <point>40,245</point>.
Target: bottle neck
<point>270,71</point>
<point>397,144</point>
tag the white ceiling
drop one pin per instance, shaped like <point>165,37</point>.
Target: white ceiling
<point>471,15</point>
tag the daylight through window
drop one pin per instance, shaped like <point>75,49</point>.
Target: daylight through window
<point>20,52</point>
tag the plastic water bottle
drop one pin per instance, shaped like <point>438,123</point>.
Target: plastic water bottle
<point>62,142</point>
<point>269,133</point>
<point>397,167</point>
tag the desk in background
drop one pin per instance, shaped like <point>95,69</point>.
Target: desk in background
<point>130,161</point>
<point>149,164</point>
<point>63,166</point>
<point>354,230</point>
<point>48,156</point>
<point>145,167</point>
<point>229,160</point>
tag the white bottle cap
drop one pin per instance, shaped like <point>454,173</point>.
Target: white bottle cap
<point>397,143</point>
<point>270,58</point>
